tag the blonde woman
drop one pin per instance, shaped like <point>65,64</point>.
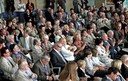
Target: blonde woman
<point>69,73</point>
<point>118,64</point>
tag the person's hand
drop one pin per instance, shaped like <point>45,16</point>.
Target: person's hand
<point>33,75</point>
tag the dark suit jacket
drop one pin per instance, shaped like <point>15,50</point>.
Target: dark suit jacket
<point>124,71</point>
<point>80,73</point>
<point>38,68</point>
<point>10,5</point>
<point>56,60</point>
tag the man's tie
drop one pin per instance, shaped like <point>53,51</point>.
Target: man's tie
<point>62,57</point>
<point>9,60</point>
<point>46,69</point>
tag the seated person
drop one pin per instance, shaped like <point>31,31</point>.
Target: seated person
<point>43,70</point>
<point>111,75</point>
<point>24,73</point>
<point>81,70</point>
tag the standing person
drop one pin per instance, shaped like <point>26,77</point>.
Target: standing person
<point>118,2</point>
<point>62,3</point>
<point>10,8</point>
<point>30,6</point>
<point>21,10</point>
<point>69,73</point>
<point>50,3</point>
<point>2,9</point>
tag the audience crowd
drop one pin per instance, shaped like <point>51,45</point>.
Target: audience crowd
<point>86,44</point>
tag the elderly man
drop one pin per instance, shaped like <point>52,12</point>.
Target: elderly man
<point>43,70</point>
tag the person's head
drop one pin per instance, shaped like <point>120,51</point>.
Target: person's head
<point>58,31</point>
<point>88,53</point>
<point>122,17</point>
<point>63,41</point>
<point>48,24</point>
<point>84,32</point>
<point>37,42</point>
<point>110,34</point>
<point>5,52</point>
<point>45,38</point>
<point>90,27</point>
<point>81,63</point>
<point>21,26</point>
<point>3,32</point>
<point>71,25</point>
<point>66,27</point>
<point>117,64</point>
<point>124,59</point>
<point>42,20</point>
<point>104,36</point>
<point>17,32</point>
<point>118,25</point>
<point>94,52</point>
<point>77,36</point>
<point>74,16</point>
<point>26,33</point>
<point>69,40</point>
<point>10,38</point>
<point>99,41</point>
<point>72,11</point>
<point>14,48</point>
<point>29,24</point>
<point>113,73</point>
<point>23,65</point>
<point>69,72</point>
<point>58,46</point>
<point>57,22</point>
<point>103,15</point>
<point>45,59</point>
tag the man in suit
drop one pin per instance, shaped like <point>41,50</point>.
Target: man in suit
<point>42,69</point>
<point>26,43</point>
<point>24,73</point>
<point>112,74</point>
<point>8,65</point>
<point>57,59</point>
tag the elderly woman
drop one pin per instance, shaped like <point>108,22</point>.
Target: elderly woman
<point>124,67</point>
<point>37,50</point>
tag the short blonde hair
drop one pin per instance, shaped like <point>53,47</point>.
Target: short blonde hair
<point>117,64</point>
<point>81,63</point>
